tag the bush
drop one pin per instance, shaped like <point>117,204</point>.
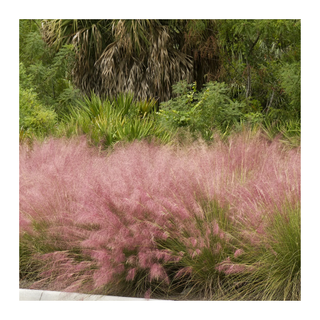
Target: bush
<point>46,72</point>
<point>33,116</point>
<point>160,220</point>
<point>201,111</point>
<point>290,75</point>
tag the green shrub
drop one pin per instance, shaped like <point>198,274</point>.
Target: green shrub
<point>290,76</point>
<point>253,117</point>
<point>33,116</point>
<point>202,111</point>
<point>46,72</point>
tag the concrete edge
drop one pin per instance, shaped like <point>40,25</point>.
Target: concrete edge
<point>42,295</point>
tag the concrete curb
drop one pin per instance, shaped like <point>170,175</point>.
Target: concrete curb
<point>41,295</point>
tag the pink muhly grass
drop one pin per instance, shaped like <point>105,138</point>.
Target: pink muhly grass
<point>238,253</point>
<point>216,228</point>
<point>142,193</point>
<point>183,272</point>
<point>145,258</point>
<point>103,276</point>
<point>131,274</point>
<point>193,241</point>
<point>217,248</point>
<point>195,253</point>
<point>157,272</point>
<point>228,267</point>
<point>61,272</point>
<point>147,294</point>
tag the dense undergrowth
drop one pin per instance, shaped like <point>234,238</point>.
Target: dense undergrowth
<point>186,221</point>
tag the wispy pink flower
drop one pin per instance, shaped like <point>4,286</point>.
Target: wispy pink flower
<point>184,271</point>
<point>216,228</point>
<point>102,276</point>
<point>193,241</point>
<point>238,253</point>
<point>145,258</point>
<point>196,253</point>
<point>132,260</point>
<point>228,267</point>
<point>147,294</point>
<point>157,272</point>
<point>131,274</point>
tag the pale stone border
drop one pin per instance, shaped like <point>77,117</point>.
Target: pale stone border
<point>41,295</point>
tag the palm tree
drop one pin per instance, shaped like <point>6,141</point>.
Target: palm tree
<point>89,37</point>
<point>145,57</point>
<point>201,42</point>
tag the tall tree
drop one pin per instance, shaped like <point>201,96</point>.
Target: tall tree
<point>200,40</point>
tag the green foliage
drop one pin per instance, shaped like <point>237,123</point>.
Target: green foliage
<point>290,75</point>
<point>277,271</point>
<point>47,73</point>
<point>146,107</point>
<point>25,79</point>
<point>198,274</point>
<point>31,46</point>
<point>179,112</point>
<point>253,117</point>
<point>217,107</point>
<point>212,109</point>
<point>106,122</point>
<point>33,116</point>
<point>253,54</point>
<point>291,132</point>
<point>202,111</point>
<point>283,261</point>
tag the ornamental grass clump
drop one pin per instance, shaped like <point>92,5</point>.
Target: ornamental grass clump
<point>277,273</point>
<point>192,222</point>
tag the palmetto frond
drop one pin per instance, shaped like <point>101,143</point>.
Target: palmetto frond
<point>142,56</point>
<point>145,63</point>
<point>89,38</point>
